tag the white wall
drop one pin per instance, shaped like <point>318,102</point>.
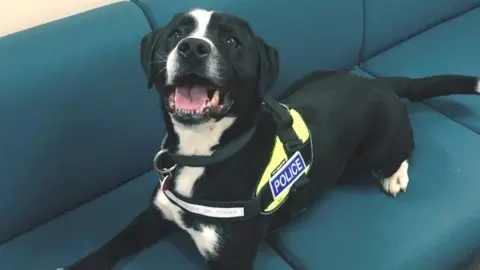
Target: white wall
<point>17,15</point>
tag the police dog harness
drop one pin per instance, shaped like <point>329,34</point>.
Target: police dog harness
<point>284,178</point>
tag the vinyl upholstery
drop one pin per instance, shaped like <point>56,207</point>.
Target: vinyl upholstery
<point>79,130</point>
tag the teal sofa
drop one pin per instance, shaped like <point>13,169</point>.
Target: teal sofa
<point>79,130</point>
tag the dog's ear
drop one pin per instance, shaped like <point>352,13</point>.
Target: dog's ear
<point>153,48</point>
<point>147,54</point>
<point>268,66</point>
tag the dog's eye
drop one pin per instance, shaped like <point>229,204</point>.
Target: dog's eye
<point>177,34</point>
<point>232,42</point>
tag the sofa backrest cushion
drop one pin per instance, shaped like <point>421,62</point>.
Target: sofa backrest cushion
<point>77,118</point>
<point>389,22</point>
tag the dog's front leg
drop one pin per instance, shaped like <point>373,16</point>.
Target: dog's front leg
<point>146,229</point>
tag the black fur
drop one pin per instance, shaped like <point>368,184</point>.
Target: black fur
<point>352,120</point>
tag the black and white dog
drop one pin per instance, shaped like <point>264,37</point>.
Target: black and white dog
<point>210,70</point>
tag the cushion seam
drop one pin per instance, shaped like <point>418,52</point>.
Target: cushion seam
<point>365,69</point>
<point>275,242</point>
<point>364,27</point>
<point>417,33</point>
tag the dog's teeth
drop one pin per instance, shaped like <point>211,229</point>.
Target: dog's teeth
<point>215,98</point>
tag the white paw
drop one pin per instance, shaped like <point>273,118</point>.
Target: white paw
<point>398,181</point>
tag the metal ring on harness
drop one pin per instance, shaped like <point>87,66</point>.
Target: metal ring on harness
<point>157,157</point>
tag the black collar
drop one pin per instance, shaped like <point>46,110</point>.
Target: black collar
<point>220,154</point>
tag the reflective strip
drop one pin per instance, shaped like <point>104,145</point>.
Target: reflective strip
<point>216,212</point>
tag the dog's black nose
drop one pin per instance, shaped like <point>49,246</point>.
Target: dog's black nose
<point>194,47</point>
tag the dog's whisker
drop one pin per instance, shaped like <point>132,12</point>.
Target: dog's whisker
<point>161,70</point>
<point>160,56</point>
<point>157,62</point>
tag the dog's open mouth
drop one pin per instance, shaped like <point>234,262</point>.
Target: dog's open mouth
<point>195,99</point>
<point>196,96</point>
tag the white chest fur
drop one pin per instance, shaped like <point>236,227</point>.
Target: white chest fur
<point>206,238</point>
<point>196,140</point>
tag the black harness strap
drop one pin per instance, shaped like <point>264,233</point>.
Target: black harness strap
<point>284,122</point>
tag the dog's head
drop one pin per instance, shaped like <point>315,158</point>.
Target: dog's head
<point>208,65</point>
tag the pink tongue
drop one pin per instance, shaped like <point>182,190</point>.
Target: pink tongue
<point>190,99</point>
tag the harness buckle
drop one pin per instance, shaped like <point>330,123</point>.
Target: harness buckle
<point>293,145</point>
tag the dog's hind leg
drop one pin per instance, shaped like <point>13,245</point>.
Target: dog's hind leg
<point>391,164</point>
<point>398,181</point>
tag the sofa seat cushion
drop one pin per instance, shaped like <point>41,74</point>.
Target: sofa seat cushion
<point>73,235</point>
<point>304,34</point>
<point>431,226</point>
<point>451,47</point>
